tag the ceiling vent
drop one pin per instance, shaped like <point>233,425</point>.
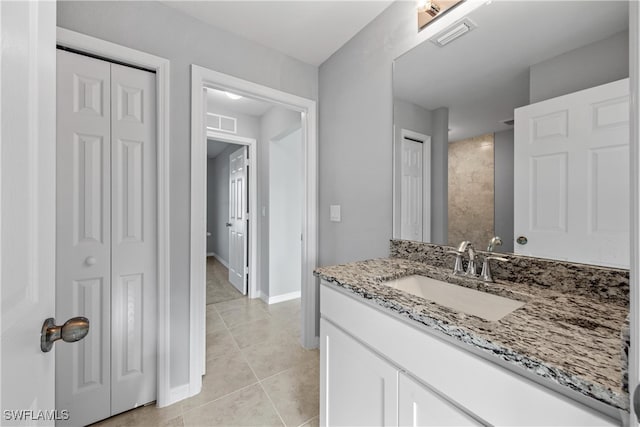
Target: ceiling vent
<point>452,32</point>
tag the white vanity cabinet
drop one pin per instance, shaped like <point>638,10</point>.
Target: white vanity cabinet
<point>363,389</point>
<point>420,406</point>
<point>377,369</point>
<point>360,387</point>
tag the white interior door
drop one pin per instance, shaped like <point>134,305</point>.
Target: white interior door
<point>27,217</point>
<point>411,189</point>
<point>83,241</point>
<point>106,240</point>
<point>238,219</point>
<point>134,238</point>
<point>571,177</point>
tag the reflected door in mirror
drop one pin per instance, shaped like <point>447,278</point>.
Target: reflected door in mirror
<point>571,173</point>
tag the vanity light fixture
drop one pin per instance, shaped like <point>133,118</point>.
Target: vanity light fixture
<point>452,32</point>
<point>428,10</point>
<point>233,96</point>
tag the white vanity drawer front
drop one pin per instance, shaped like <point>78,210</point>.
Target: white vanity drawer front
<point>490,392</point>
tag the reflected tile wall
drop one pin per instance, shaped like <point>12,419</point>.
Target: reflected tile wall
<point>471,190</point>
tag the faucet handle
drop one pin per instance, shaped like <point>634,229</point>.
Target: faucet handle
<point>486,267</point>
<point>458,269</point>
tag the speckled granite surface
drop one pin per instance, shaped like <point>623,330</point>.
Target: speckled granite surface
<point>570,338</point>
<point>609,284</point>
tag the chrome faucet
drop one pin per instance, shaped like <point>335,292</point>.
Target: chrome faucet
<point>458,268</point>
<point>495,241</point>
<point>486,267</point>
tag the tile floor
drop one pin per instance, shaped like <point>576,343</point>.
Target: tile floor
<point>218,287</point>
<point>257,372</point>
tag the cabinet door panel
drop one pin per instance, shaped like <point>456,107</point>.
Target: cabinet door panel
<point>419,406</point>
<point>357,387</point>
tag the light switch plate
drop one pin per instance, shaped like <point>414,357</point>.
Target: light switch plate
<point>334,213</point>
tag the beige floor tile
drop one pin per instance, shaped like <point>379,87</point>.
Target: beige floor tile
<point>220,343</point>
<point>218,286</point>
<point>225,374</point>
<point>239,303</point>
<point>313,422</point>
<point>214,321</point>
<point>247,407</point>
<point>259,331</point>
<point>273,356</point>
<point>293,326</point>
<point>286,308</point>
<point>243,314</point>
<point>295,393</point>
<point>146,416</point>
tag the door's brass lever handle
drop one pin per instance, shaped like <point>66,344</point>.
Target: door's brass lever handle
<point>73,330</point>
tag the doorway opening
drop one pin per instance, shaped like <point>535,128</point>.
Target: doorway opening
<point>216,98</point>
<point>226,274</point>
<point>254,163</point>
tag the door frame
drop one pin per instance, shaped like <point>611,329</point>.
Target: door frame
<point>251,143</point>
<point>111,51</point>
<point>205,78</point>
<point>426,182</point>
<point>634,172</point>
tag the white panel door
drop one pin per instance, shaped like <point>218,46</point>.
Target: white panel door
<point>571,176</point>
<point>238,219</point>
<point>411,172</point>
<point>134,236</point>
<point>419,406</point>
<point>357,388</point>
<point>27,217</point>
<point>83,241</point>
<point>106,235</point>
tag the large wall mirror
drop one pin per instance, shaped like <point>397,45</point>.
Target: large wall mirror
<point>514,122</point>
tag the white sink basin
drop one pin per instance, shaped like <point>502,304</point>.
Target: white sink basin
<point>486,306</point>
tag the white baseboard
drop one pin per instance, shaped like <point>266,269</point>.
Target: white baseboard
<point>178,393</point>
<point>219,258</point>
<point>284,297</point>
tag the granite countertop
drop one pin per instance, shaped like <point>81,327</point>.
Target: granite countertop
<point>573,340</point>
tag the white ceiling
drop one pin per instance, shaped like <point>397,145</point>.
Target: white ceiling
<point>244,105</point>
<point>483,75</point>
<point>310,31</point>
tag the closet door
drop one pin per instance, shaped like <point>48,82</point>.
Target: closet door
<point>106,236</point>
<point>83,234</point>
<point>133,250</point>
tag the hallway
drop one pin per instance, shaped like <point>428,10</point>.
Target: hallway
<point>257,372</point>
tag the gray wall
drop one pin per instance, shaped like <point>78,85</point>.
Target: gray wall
<point>276,122</point>
<point>157,29</point>
<point>598,63</point>
<point>440,176</point>
<point>218,202</point>
<point>355,149</point>
<point>285,214</point>
<point>503,187</point>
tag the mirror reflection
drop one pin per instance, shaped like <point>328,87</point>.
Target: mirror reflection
<point>506,126</point>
